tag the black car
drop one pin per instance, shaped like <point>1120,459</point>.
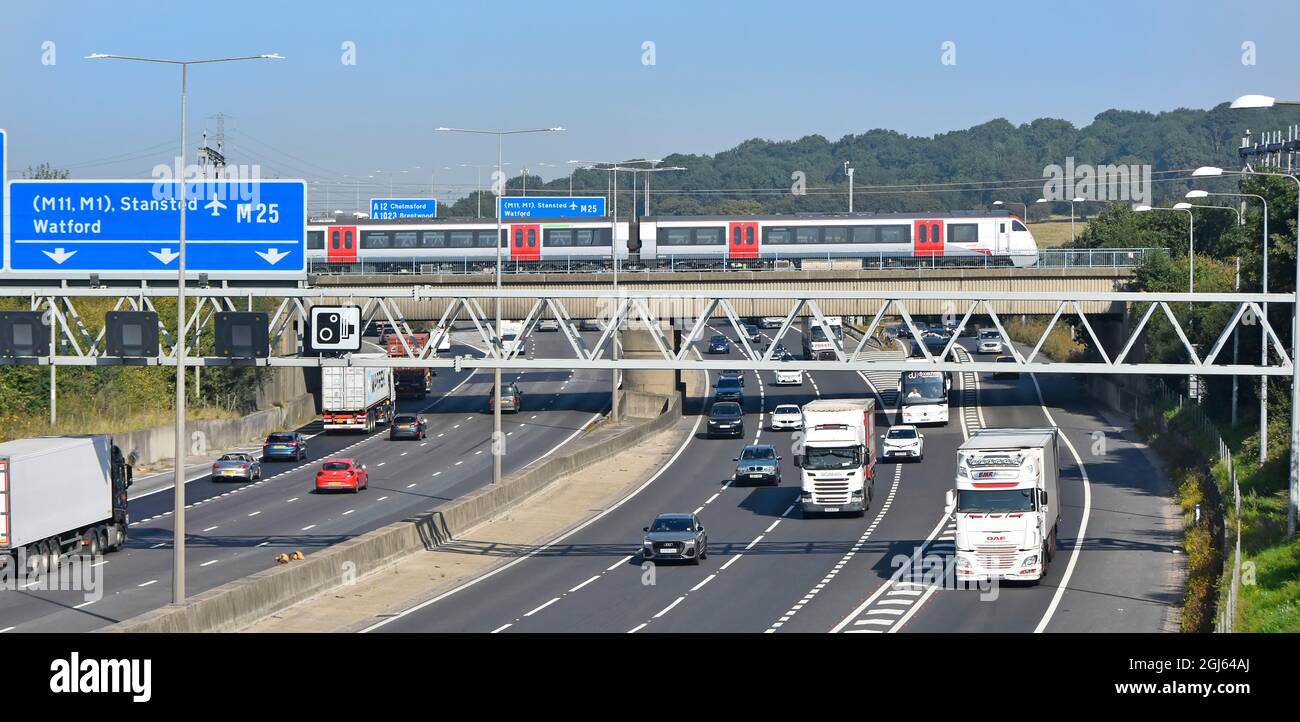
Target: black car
<point>729,390</point>
<point>778,351</point>
<point>408,426</point>
<point>287,445</point>
<point>732,374</point>
<point>752,333</point>
<point>726,418</point>
<point>1005,374</point>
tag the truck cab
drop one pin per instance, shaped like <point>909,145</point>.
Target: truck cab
<point>1006,504</point>
<point>837,465</point>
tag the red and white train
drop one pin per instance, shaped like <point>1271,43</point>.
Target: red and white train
<point>999,237</point>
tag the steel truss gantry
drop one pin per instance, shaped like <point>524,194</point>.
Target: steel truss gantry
<point>690,313</point>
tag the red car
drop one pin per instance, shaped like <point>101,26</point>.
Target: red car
<point>342,474</point>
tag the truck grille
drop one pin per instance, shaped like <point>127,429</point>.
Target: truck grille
<point>996,558</point>
<point>828,491</point>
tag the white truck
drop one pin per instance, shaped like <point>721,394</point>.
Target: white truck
<point>835,458</point>
<point>61,494</point>
<point>355,398</point>
<point>817,346</point>
<point>510,332</point>
<point>1007,504</point>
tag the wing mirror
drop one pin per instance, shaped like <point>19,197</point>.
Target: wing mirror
<point>950,501</point>
<point>798,461</point>
<point>645,528</point>
<point>1042,497</point>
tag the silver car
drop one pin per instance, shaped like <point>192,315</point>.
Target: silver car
<point>232,467</point>
<point>758,463</point>
<point>990,342</point>
<point>675,537</point>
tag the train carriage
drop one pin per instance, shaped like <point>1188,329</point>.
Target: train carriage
<point>449,245</point>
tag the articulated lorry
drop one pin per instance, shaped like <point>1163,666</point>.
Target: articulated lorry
<point>1007,504</point>
<point>411,383</point>
<point>61,494</point>
<point>817,346</point>
<point>510,332</point>
<point>357,398</point>
<point>836,462</point>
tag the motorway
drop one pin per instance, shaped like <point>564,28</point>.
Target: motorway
<point>237,529</point>
<point>770,570</point>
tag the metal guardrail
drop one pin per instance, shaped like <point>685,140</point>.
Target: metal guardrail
<point>1047,258</point>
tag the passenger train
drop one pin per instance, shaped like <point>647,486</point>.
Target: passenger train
<point>992,238</point>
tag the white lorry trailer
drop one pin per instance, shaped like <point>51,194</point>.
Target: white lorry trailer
<point>817,346</point>
<point>836,462</point>
<point>357,398</point>
<point>61,494</point>
<point>1007,504</point>
<point>510,333</point>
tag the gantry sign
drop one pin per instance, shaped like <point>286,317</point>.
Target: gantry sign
<point>692,314</point>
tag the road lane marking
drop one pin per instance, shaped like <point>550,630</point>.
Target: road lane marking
<point>151,581</point>
<point>589,581</point>
<point>544,606</point>
<point>707,579</point>
<point>309,526</point>
<point>208,564</point>
<point>669,608</point>
<point>503,627</point>
<point>255,513</point>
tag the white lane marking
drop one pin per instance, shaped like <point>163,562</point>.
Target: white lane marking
<point>589,581</point>
<point>160,544</point>
<point>757,539</point>
<point>730,562</point>
<point>436,473</point>
<point>6,629</point>
<point>668,608</point>
<point>255,513</point>
<point>99,563</point>
<point>349,511</point>
<point>292,500</point>
<point>309,526</point>
<point>632,494</point>
<point>214,526</point>
<point>707,579</point>
<point>151,581</point>
<point>409,485</point>
<point>637,628</point>
<point>620,562</point>
<point>458,463</point>
<point>381,463</point>
<point>503,627</point>
<point>773,526</point>
<point>208,564</point>
<point>544,606</point>
<point>83,604</point>
<point>381,498</point>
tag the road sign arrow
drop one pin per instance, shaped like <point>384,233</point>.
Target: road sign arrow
<point>59,255</point>
<point>272,255</point>
<point>166,255</point>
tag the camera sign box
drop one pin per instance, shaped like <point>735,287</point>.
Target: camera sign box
<point>335,328</point>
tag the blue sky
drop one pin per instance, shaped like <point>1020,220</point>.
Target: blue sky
<point>723,72</point>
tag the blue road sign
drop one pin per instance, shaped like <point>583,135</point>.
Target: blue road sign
<point>553,207</point>
<point>131,229</point>
<point>391,209</point>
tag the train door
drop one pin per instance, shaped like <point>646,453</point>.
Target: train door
<point>1001,236</point>
<point>743,241</point>
<point>927,238</point>
<point>341,244</point>
<point>526,242</point>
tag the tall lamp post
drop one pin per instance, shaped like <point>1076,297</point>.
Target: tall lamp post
<point>178,521</point>
<point>496,373</point>
<point>1258,101</point>
<point>1263,336</point>
<point>478,183</point>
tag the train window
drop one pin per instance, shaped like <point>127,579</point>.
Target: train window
<point>776,236</point>
<point>749,235</point>
<point>375,239</point>
<point>461,239</point>
<point>962,232</point>
<point>434,239</point>
<point>315,240</point>
<point>484,239</point>
<point>347,239</point>
<point>866,234</point>
<point>709,237</point>
<point>807,234</point>
<point>835,234</point>
<point>1002,228</point>
<point>735,235</point>
<point>676,237</point>
<point>558,237</point>
<point>532,238</point>
<point>895,234</point>
<point>405,239</point>
<point>585,237</point>
<point>334,239</point>
<point>923,234</point>
<point>1018,226</point>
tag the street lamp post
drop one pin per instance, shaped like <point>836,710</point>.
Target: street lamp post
<point>848,170</point>
<point>1263,335</point>
<point>1211,171</point>
<point>478,183</point>
<point>1023,205</point>
<point>178,521</point>
<point>496,373</point>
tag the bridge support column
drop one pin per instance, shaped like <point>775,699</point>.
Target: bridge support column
<point>644,390</point>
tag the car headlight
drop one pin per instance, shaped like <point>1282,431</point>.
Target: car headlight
<point>690,542</point>
<point>1030,560</point>
<point>962,473</point>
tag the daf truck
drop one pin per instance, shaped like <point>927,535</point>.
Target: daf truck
<point>1007,504</point>
<point>411,382</point>
<point>357,398</point>
<point>61,494</point>
<point>836,462</point>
